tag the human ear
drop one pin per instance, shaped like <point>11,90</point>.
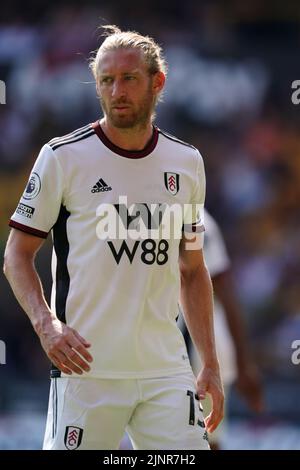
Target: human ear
<point>97,89</point>
<point>159,80</point>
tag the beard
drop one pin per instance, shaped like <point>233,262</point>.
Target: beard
<point>135,116</point>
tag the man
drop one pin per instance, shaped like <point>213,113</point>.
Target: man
<point>236,362</point>
<point>119,360</point>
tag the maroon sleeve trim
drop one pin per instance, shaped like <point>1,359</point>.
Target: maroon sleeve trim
<point>25,228</point>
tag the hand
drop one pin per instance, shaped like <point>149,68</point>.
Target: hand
<point>64,346</point>
<point>249,386</point>
<point>209,381</point>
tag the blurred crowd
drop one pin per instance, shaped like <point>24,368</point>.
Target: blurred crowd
<point>231,66</point>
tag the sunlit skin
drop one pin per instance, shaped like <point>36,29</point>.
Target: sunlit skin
<point>128,93</point>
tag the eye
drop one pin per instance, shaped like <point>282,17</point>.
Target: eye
<point>106,80</point>
<point>129,77</point>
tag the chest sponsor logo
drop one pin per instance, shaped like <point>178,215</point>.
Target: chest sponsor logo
<point>33,187</point>
<point>129,228</point>
<point>25,211</point>
<point>73,437</point>
<point>172,182</point>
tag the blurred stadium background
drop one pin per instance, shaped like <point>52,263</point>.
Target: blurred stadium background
<point>231,66</point>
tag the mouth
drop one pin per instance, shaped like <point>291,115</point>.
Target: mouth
<point>121,107</point>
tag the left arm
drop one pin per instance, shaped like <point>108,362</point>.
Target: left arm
<point>197,303</point>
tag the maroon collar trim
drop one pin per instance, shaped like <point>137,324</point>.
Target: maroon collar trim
<point>126,153</point>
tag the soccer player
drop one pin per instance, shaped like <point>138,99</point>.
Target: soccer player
<point>119,359</point>
<point>236,362</point>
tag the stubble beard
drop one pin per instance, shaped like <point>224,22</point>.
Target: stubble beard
<point>137,118</point>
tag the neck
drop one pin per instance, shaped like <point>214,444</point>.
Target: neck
<point>128,139</point>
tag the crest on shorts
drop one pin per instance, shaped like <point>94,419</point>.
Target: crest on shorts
<point>172,182</point>
<point>73,437</point>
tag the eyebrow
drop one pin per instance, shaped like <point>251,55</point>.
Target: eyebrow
<point>103,74</point>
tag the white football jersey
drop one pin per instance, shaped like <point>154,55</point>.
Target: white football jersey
<point>119,293</point>
<point>215,252</point>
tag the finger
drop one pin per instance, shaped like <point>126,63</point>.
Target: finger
<point>66,361</point>
<point>76,359</point>
<point>75,344</point>
<point>201,388</point>
<point>215,417</point>
<point>209,423</point>
<point>81,339</point>
<point>60,365</point>
<point>213,420</point>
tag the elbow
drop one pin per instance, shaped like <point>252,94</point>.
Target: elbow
<point>194,275</point>
<point>6,261</point>
<point>188,271</point>
<point>14,260</point>
<point>186,276</point>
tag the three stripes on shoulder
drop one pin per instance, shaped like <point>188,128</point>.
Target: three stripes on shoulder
<point>75,136</point>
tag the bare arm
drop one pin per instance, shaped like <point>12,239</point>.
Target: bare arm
<point>60,342</point>
<point>248,382</point>
<point>197,303</point>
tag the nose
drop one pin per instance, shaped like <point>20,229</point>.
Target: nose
<point>118,90</point>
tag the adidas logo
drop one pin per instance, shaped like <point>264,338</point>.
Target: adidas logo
<point>100,187</point>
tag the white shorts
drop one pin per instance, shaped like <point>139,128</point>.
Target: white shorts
<point>161,413</point>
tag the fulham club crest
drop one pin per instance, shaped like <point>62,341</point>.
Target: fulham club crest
<point>73,437</point>
<point>172,182</point>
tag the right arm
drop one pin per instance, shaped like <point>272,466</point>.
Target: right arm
<point>62,344</point>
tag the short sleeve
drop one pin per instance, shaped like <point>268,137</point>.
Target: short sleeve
<point>215,253</point>
<point>40,203</point>
<point>194,212</point>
